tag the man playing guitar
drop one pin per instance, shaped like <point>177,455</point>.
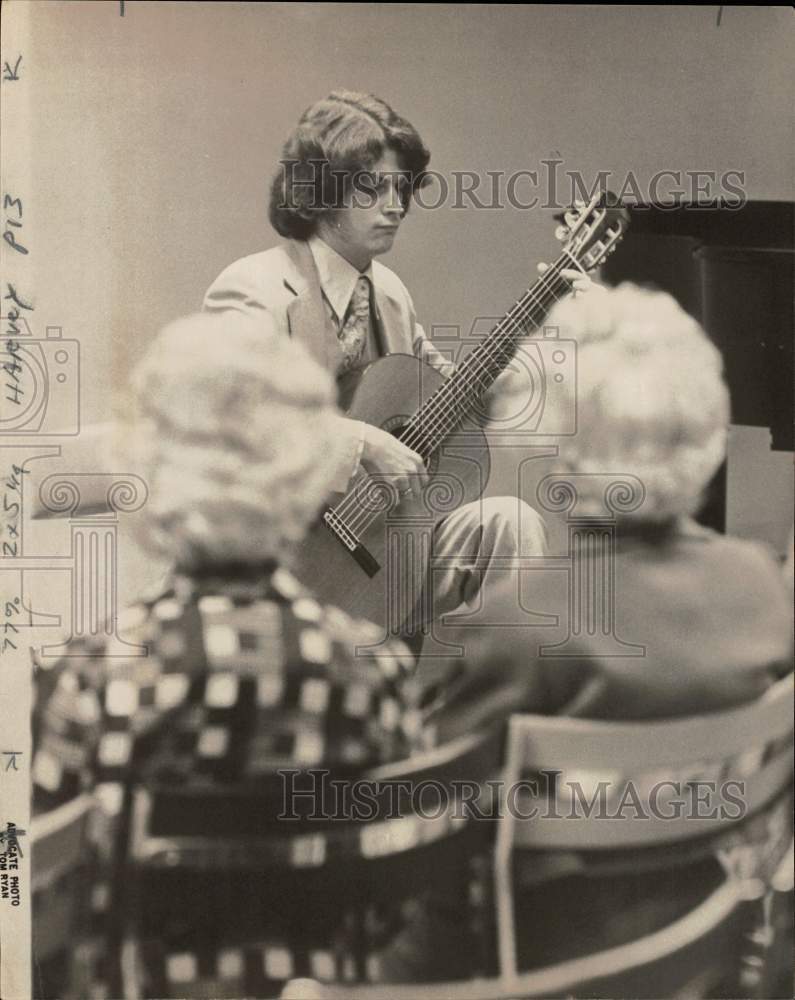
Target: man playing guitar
<point>347,176</point>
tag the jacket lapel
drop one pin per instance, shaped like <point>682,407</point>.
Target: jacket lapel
<point>391,324</point>
<point>305,314</point>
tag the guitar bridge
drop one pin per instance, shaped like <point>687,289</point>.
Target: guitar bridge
<point>346,537</point>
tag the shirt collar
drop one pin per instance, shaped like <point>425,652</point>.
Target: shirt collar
<point>338,276</point>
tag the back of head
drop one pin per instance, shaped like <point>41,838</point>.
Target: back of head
<point>649,395</point>
<point>231,430</point>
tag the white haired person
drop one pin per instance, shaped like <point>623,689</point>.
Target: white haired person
<point>652,413</point>
<point>245,672</point>
<point>704,618</point>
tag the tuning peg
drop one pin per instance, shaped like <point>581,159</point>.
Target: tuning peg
<point>571,218</point>
<point>562,233</point>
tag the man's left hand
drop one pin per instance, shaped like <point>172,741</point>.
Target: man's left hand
<point>581,282</point>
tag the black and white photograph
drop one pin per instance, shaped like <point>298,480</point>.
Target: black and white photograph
<point>396,453</point>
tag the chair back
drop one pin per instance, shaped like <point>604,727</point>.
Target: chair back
<point>679,959</point>
<point>669,962</point>
<point>594,786</point>
<point>297,884</point>
<point>605,764</point>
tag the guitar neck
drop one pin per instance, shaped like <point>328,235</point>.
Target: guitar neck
<point>450,404</point>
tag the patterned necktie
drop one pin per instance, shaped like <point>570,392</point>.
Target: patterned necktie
<point>355,329</point>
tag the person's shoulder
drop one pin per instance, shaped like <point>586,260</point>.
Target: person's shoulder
<point>745,554</point>
<point>328,634</point>
<point>387,281</point>
<point>263,269</point>
<point>275,261</point>
<point>89,663</point>
<point>745,568</point>
<point>261,260</point>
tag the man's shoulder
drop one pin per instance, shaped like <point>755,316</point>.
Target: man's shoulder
<point>276,261</point>
<point>268,277</point>
<point>387,281</point>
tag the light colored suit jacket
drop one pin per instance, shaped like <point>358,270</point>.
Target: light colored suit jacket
<point>283,282</point>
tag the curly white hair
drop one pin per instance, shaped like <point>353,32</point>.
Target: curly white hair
<point>650,397</point>
<point>232,428</point>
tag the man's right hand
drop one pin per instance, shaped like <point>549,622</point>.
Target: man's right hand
<point>384,455</point>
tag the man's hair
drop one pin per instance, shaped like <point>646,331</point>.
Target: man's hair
<point>337,140</point>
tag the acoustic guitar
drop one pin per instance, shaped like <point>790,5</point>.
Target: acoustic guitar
<point>370,551</point>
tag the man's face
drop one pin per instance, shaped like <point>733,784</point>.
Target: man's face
<point>367,225</point>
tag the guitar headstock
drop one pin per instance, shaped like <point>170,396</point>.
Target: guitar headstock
<point>593,231</point>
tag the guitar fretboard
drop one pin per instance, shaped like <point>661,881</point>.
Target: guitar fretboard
<point>450,404</point>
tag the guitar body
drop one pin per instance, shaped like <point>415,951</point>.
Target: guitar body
<point>387,585</point>
<point>371,550</point>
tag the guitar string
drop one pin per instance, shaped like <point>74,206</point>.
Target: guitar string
<point>425,439</point>
<point>512,323</point>
<point>500,350</point>
<point>566,259</point>
<point>441,407</point>
<point>448,417</point>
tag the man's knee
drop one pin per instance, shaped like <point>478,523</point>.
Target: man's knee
<point>516,524</point>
